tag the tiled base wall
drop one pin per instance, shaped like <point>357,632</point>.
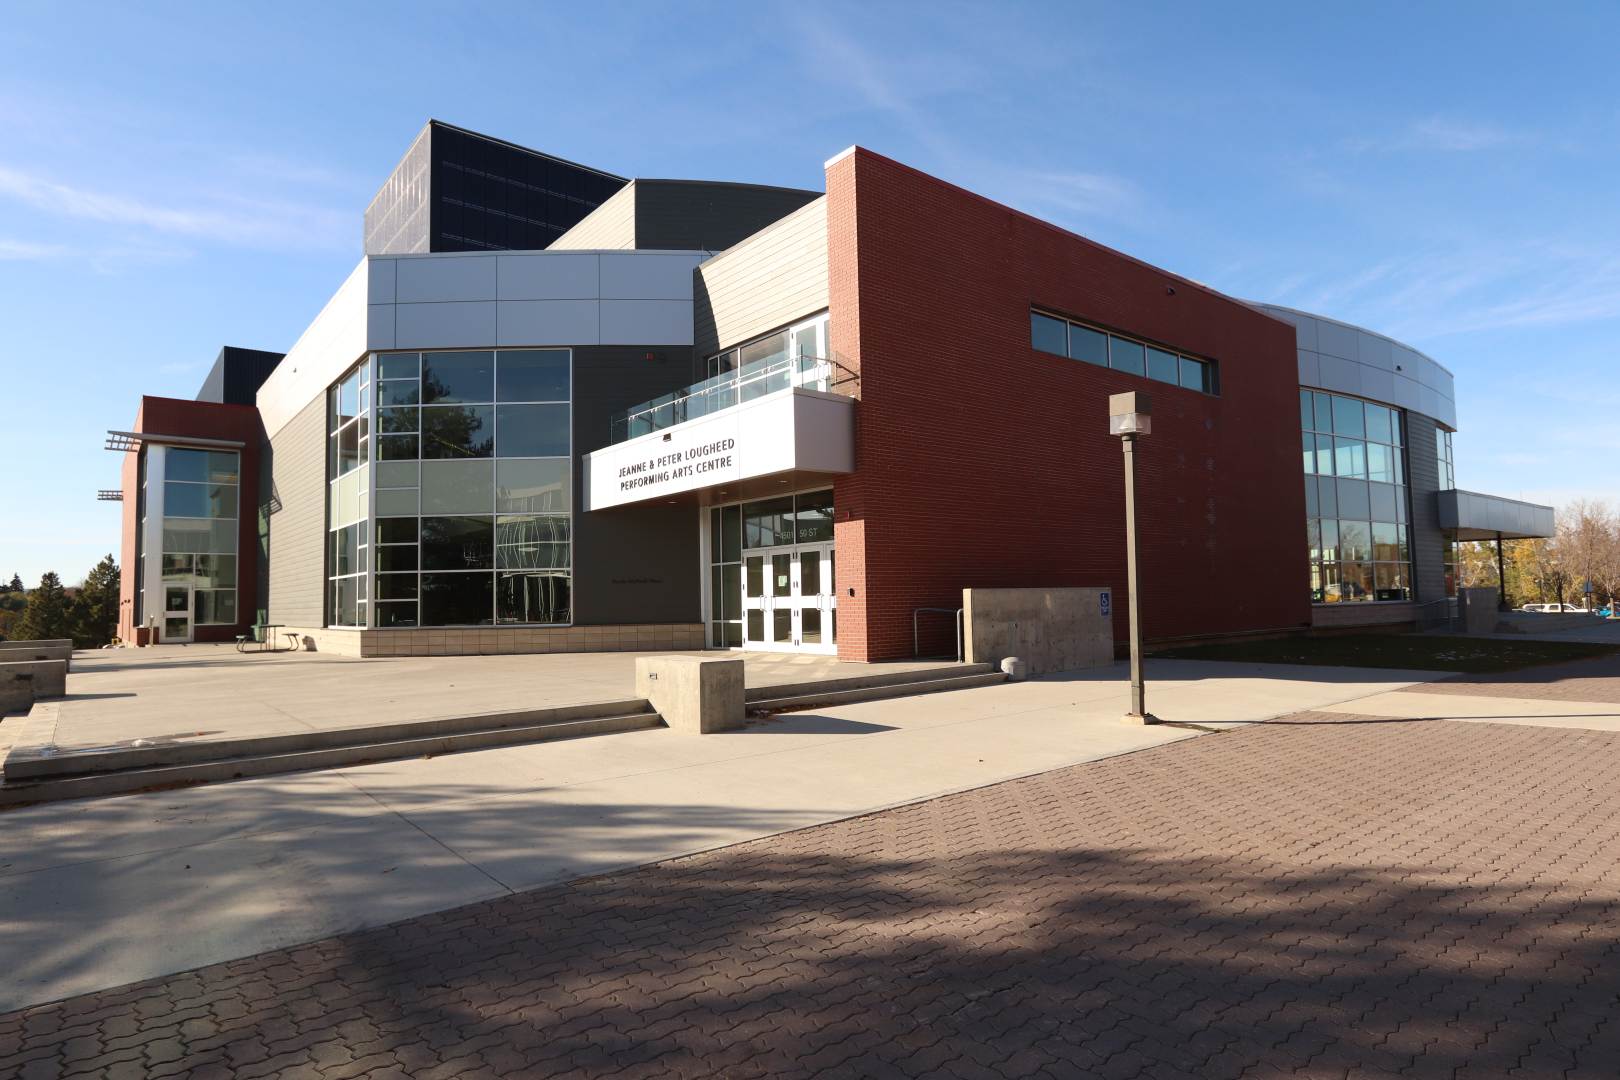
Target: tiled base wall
<point>1334,616</point>
<point>493,640</point>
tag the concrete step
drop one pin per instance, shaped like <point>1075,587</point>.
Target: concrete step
<point>123,781</point>
<point>827,698</point>
<point>861,682</point>
<point>31,759</point>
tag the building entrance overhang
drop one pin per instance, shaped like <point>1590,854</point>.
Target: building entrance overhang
<point>1473,516</point>
<point>751,449</point>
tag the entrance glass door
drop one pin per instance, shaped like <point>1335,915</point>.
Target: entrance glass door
<point>788,600</point>
<point>176,614</point>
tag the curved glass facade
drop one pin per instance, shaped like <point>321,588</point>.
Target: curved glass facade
<point>1356,501</point>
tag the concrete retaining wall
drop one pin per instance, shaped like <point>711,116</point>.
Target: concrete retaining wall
<point>17,651</point>
<point>1050,629</point>
<point>498,640</point>
<point>41,643</point>
<point>22,682</point>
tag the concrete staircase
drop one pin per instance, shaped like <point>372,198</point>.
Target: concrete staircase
<point>35,771</point>
<point>33,775</point>
<point>825,693</point>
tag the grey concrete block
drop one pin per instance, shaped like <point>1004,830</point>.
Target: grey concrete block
<point>23,682</point>
<point>30,650</point>
<point>1049,629</point>
<point>38,643</point>
<point>694,694</point>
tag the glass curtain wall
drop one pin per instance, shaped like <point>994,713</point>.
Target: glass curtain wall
<point>471,470</point>
<point>1355,499</point>
<point>200,508</point>
<point>348,425</point>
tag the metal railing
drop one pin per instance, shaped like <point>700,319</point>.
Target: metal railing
<point>1437,614</point>
<point>731,388</point>
<point>916,638</point>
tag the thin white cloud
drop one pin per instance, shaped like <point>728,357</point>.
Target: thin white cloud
<point>225,219</point>
<point>28,251</point>
<point>1440,135</point>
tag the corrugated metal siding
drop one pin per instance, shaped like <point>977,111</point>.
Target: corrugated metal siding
<point>774,277</point>
<point>1424,534</point>
<point>610,227</point>
<point>298,518</point>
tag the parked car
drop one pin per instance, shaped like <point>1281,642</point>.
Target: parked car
<point>1554,609</point>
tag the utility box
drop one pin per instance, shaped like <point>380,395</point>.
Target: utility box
<point>1049,629</point>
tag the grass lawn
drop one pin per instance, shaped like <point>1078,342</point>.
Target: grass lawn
<point>1421,652</point>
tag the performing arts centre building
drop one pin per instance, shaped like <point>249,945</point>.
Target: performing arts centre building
<point>555,409</point>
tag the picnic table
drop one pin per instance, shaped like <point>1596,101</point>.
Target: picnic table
<point>264,637</point>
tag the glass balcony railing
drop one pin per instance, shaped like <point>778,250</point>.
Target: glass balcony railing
<point>723,391</point>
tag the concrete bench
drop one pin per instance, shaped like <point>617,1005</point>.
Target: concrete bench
<point>693,694</point>
<point>23,682</point>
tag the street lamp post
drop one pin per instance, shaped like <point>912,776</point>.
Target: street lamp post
<point>1130,417</point>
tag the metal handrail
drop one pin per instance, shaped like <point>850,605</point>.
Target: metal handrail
<point>916,640</point>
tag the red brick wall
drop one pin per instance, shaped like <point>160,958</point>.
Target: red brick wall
<point>201,420</point>
<point>981,462</point>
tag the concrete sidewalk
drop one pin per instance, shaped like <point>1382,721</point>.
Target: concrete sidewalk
<point>99,893</point>
<point>197,694</point>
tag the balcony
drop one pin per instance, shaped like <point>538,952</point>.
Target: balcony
<point>748,383</point>
<point>768,426</point>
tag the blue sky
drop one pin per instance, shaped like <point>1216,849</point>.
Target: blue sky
<point>178,177</point>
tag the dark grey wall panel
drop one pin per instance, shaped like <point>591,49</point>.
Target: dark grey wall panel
<point>632,564</point>
<point>237,375</point>
<point>695,215</point>
<point>1424,533</point>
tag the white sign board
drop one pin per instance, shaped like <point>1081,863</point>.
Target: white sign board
<point>789,430</point>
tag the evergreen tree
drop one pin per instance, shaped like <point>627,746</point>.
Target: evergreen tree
<point>46,615</point>
<point>16,583</point>
<point>94,611</point>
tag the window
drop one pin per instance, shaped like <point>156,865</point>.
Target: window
<point>1064,337</point>
<point>1442,453</point>
<point>201,511</point>
<point>470,490</point>
<point>1355,499</point>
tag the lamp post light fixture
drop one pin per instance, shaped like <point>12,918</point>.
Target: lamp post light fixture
<point>1130,416</point>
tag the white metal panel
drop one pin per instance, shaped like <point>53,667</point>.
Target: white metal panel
<point>440,277</point>
<point>326,349</point>
<point>1341,375</point>
<point>549,276</point>
<point>1332,339</point>
<point>1406,394</point>
<point>633,275</point>
<point>646,322</point>
<point>380,326</point>
<point>1408,362</point>
<point>549,322</point>
<point>1377,384</point>
<point>1375,351</point>
<point>435,326</point>
<point>380,283</point>
<point>1310,368</point>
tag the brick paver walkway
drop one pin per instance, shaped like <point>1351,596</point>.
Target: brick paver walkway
<point>1325,896</point>
<point>1597,679</point>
